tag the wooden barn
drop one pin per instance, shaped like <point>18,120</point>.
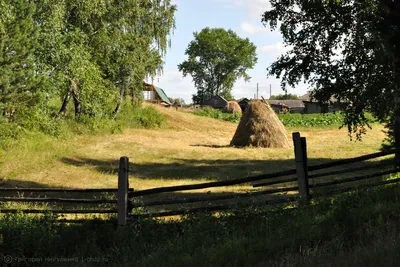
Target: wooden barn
<point>294,106</point>
<point>217,102</point>
<point>312,106</point>
<point>277,107</point>
<point>156,95</point>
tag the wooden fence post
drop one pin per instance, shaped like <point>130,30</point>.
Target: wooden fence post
<point>300,153</point>
<point>123,187</point>
<point>397,130</point>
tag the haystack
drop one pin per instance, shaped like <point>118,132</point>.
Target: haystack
<point>260,127</point>
<point>233,107</point>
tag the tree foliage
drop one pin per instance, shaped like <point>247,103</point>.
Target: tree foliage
<point>19,86</point>
<point>216,59</point>
<point>347,49</point>
<point>177,101</point>
<point>284,97</point>
<point>95,52</point>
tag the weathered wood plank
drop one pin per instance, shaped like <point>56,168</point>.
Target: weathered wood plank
<point>213,198</point>
<point>58,200</point>
<point>123,185</point>
<point>61,190</point>
<point>210,184</point>
<point>58,211</point>
<point>353,179</point>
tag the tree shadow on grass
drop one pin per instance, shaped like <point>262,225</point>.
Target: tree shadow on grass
<point>17,183</point>
<point>220,170</point>
<point>212,146</point>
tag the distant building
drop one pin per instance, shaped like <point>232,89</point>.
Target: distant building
<point>312,106</point>
<point>294,106</point>
<point>156,95</point>
<point>277,105</point>
<point>217,102</point>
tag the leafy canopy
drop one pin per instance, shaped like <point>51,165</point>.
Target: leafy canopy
<point>344,48</point>
<point>284,97</point>
<point>216,59</point>
<point>19,86</point>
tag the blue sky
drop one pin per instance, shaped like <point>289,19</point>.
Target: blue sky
<point>243,17</point>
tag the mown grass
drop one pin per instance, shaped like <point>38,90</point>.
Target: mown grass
<point>354,229</point>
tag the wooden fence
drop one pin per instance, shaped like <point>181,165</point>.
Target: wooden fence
<point>112,205</point>
<point>299,181</point>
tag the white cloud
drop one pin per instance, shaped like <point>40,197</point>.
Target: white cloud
<point>251,28</point>
<point>275,50</point>
<point>254,8</point>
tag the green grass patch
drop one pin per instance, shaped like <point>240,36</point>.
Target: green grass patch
<point>353,228</point>
<point>218,114</point>
<point>319,120</point>
<point>37,123</point>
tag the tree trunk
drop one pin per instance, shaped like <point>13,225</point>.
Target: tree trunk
<point>64,106</point>
<point>121,98</point>
<point>75,95</point>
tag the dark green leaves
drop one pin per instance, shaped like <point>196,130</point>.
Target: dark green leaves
<point>363,33</point>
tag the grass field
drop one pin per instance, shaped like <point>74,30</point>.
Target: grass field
<point>189,149</point>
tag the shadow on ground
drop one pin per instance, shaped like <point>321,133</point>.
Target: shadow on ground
<point>199,169</point>
<point>211,146</point>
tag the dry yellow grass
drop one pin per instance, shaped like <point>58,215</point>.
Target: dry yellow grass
<point>189,149</point>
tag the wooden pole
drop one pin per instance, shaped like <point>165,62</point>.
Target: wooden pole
<point>123,186</point>
<point>397,131</point>
<point>270,91</point>
<point>305,163</point>
<point>301,166</point>
<point>257,90</point>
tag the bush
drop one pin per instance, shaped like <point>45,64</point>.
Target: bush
<point>42,121</point>
<point>218,114</point>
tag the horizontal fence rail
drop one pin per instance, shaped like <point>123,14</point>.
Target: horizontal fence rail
<point>330,173</point>
<point>351,160</point>
<point>61,190</point>
<point>210,184</point>
<point>372,166</point>
<point>213,198</point>
<point>365,186</point>
<point>216,208</point>
<point>58,200</point>
<point>353,179</point>
<point>61,211</point>
<point>289,180</point>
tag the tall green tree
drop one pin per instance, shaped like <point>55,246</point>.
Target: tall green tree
<point>19,84</point>
<point>216,59</point>
<point>342,48</point>
<point>96,50</point>
<point>67,34</point>
<point>133,43</point>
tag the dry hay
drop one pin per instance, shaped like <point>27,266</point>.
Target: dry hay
<point>260,127</point>
<point>233,107</point>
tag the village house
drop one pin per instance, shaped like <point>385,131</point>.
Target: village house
<point>155,95</point>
